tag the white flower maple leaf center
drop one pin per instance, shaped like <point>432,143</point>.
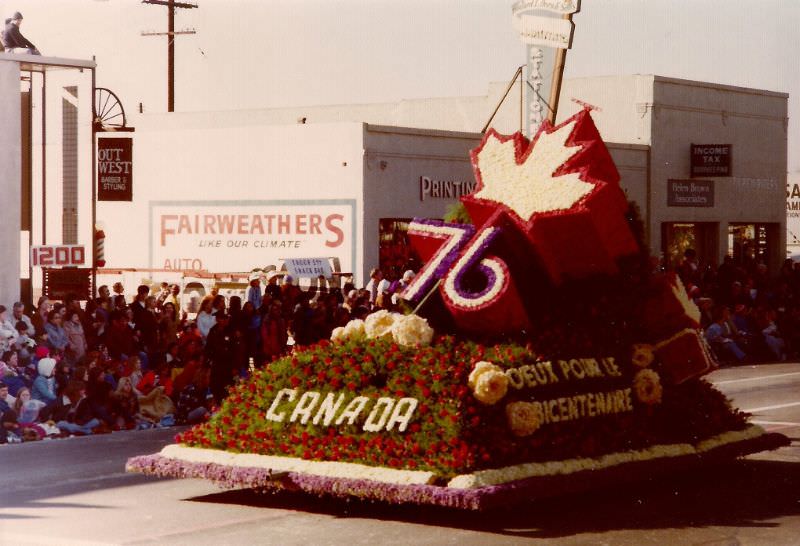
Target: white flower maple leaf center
<point>531,188</point>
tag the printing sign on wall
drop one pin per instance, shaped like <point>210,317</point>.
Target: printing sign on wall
<point>239,236</point>
<point>114,169</point>
<point>690,193</point>
<point>430,188</point>
<point>711,160</point>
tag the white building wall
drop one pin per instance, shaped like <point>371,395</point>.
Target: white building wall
<point>226,163</point>
<point>10,182</point>
<point>624,105</point>
<point>754,122</point>
<point>633,163</point>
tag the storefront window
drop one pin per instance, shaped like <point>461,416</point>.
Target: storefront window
<point>395,252</point>
<point>677,237</point>
<point>750,244</point>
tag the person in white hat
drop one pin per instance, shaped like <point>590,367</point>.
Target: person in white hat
<point>383,299</point>
<point>254,294</point>
<point>272,289</point>
<point>401,285</point>
<point>44,386</point>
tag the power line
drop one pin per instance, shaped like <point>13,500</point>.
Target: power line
<point>171,6</point>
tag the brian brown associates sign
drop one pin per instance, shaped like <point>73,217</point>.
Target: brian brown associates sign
<point>690,193</point>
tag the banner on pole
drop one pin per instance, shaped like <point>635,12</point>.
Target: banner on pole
<point>546,27</point>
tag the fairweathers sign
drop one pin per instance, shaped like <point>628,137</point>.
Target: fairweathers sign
<point>235,236</point>
<point>114,169</point>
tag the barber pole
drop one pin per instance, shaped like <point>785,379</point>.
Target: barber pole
<point>99,248</point>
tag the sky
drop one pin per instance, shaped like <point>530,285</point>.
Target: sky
<point>275,53</point>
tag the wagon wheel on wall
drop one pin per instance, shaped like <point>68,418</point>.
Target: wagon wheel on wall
<point>108,110</point>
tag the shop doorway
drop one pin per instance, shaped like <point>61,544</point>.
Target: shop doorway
<point>677,237</point>
<point>751,244</point>
<point>395,254</point>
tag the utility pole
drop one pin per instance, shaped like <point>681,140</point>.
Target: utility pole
<point>171,6</point>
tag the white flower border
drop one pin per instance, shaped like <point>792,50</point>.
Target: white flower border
<point>483,478</point>
<point>497,476</point>
<point>330,469</point>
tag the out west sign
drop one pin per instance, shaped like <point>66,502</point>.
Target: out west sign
<point>114,169</point>
<point>711,160</point>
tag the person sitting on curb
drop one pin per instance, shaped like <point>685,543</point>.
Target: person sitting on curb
<point>720,338</point>
<point>72,412</point>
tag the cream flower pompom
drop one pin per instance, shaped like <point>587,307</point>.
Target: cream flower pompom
<point>355,330</point>
<point>642,355</point>
<point>379,324</point>
<point>524,418</point>
<point>410,330</point>
<point>490,387</point>
<point>647,387</point>
<point>481,368</point>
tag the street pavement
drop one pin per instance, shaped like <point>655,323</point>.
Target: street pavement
<point>75,491</point>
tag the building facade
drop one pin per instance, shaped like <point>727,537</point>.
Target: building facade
<point>224,196</point>
<point>241,190</point>
<point>716,162</point>
<point>734,203</point>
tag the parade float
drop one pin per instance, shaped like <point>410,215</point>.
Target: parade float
<point>544,356</point>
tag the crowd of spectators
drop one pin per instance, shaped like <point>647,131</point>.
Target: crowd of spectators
<point>747,314</point>
<point>114,364</point>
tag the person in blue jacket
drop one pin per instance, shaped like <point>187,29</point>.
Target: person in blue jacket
<point>44,386</point>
